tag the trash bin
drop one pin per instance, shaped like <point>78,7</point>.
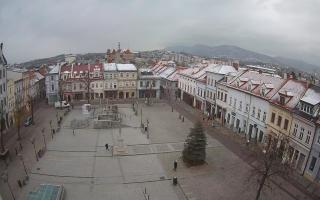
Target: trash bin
<point>175,181</point>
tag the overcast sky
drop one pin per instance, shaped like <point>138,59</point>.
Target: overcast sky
<point>42,28</point>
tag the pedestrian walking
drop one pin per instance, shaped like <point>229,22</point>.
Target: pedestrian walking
<point>175,165</point>
<point>73,131</point>
<point>182,119</point>
<point>107,147</point>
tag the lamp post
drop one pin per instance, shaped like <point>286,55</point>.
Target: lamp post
<point>141,117</point>
<point>44,138</point>
<point>34,148</point>
<point>5,179</point>
<point>24,166</point>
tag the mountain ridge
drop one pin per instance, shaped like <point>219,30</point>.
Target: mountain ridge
<point>235,52</point>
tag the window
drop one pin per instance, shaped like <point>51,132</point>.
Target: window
<point>92,85</point>
<point>127,74</point>
<point>273,116</point>
<point>308,139</point>
<point>259,113</point>
<point>286,123</point>
<point>235,103</point>
<point>301,133</point>
<point>240,105</point>
<point>253,111</point>
<point>230,100</point>
<point>312,163</point>
<point>52,78</point>
<point>264,117</point>
<point>295,130</point>
<point>282,100</point>
<point>218,94</point>
<point>121,74</point>
<point>52,87</point>
<point>279,121</point>
<point>247,108</point>
<point>225,97</point>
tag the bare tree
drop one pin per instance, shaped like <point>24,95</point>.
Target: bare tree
<point>87,83</point>
<point>271,162</point>
<point>18,116</point>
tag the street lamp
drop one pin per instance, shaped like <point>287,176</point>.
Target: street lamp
<point>44,138</point>
<point>24,166</point>
<point>5,179</point>
<point>34,148</point>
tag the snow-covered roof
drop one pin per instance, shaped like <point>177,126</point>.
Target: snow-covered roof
<point>294,89</point>
<point>312,96</point>
<point>54,69</point>
<point>110,67</point>
<point>258,80</point>
<point>126,67</point>
<point>221,69</point>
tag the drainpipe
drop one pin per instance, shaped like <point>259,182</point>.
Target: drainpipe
<point>305,166</point>
<point>248,119</point>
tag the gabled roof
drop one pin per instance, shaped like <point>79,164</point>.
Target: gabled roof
<point>258,81</point>
<point>294,90</point>
<point>126,67</point>
<point>110,67</point>
<point>312,95</point>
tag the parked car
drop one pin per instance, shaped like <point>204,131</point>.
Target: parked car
<point>28,121</point>
<point>61,104</point>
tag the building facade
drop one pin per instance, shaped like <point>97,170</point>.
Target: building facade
<point>148,85</point>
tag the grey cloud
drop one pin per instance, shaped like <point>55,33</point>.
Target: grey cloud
<point>41,28</point>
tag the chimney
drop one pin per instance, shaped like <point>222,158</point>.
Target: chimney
<point>285,75</point>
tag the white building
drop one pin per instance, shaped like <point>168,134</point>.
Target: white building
<point>52,84</point>
<point>302,134</point>
<point>110,80</point>
<point>193,83</point>
<point>148,84</point>
<point>243,102</point>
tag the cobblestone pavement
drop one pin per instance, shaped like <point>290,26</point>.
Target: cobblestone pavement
<point>297,186</point>
<point>87,170</point>
<point>14,167</point>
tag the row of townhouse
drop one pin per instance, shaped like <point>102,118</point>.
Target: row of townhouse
<point>17,88</point>
<point>260,106</point>
<point>197,85</point>
<point>23,86</point>
<point>169,74</point>
<point>100,81</point>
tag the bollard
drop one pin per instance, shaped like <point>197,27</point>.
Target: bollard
<point>19,183</point>
<point>175,181</point>
<point>175,165</point>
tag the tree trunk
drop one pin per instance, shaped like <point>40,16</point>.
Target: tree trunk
<point>261,184</point>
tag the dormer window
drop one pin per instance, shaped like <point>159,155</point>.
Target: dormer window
<point>282,100</point>
<point>263,92</point>
<point>306,108</point>
<point>249,86</point>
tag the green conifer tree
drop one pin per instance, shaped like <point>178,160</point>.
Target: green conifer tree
<point>194,152</point>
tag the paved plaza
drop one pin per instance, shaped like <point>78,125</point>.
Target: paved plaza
<point>81,163</point>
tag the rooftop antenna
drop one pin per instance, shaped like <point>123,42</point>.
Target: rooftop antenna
<point>119,46</point>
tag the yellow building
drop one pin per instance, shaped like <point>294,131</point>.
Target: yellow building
<point>10,101</point>
<point>282,103</point>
